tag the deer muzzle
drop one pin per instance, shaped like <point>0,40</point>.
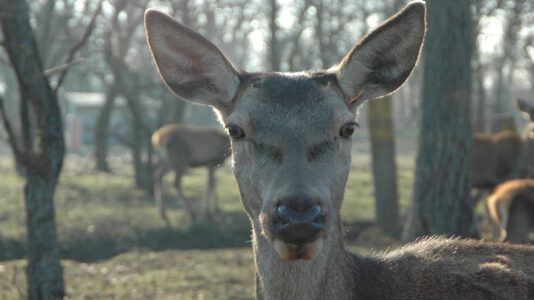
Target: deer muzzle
<point>298,228</point>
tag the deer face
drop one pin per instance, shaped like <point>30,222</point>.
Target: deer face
<point>291,154</point>
<point>290,132</point>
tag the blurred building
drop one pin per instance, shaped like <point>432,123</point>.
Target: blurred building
<point>81,111</point>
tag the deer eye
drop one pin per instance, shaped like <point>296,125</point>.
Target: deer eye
<point>347,130</point>
<point>235,132</point>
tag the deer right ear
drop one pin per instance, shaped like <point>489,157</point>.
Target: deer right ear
<point>190,65</point>
<point>526,107</point>
<point>384,59</point>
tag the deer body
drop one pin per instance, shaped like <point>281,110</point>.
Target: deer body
<point>501,163</point>
<point>291,152</point>
<point>504,155</point>
<point>495,157</point>
<point>184,146</point>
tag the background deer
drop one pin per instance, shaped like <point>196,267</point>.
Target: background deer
<point>291,150</point>
<point>184,146</point>
<point>498,158</point>
<point>503,155</point>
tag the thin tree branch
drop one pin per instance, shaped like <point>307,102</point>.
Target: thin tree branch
<point>10,133</point>
<point>78,46</point>
<point>62,67</point>
<point>121,138</point>
<point>4,61</point>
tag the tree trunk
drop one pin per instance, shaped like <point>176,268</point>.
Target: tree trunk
<point>382,135</point>
<point>481,105</point>
<point>43,164</point>
<point>443,171</point>
<point>102,128</point>
<point>44,271</point>
<point>274,59</point>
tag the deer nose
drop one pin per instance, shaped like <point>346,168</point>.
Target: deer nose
<point>299,220</point>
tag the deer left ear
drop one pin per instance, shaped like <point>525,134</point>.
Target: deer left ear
<point>526,107</point>
<point>383,60</point>
<point>190,65</point>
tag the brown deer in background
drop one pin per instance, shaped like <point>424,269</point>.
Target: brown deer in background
<point>291,151</point>
<point>503,155</point>
<point>510,207</point>
<point>184,146</point>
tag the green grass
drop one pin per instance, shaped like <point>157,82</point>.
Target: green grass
<point>115,246</point>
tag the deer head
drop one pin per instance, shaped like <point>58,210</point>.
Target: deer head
<point>291,132</point>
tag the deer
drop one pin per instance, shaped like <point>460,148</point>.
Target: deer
<point>184,146</point>
<point>503,155</point>
<point>502,163</point>
<point>510,208</point>
<point>291,153</point>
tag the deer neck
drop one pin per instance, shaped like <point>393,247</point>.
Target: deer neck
<point>328,276</point>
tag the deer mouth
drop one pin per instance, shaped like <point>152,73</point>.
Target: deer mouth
<point>290,251</point>
<point>295,238</point>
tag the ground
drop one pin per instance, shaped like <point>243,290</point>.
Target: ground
<point>115,246</point>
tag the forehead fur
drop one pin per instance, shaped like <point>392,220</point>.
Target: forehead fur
<point>289,89</point>
<point>290,102</point>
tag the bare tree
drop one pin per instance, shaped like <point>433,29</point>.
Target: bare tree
<point>481,10</point>
<point>503,112</point>
<point>382,139</point>
<point>444,153</point>
<point>40,159</point>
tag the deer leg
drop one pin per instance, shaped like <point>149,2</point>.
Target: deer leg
<point>178,185</point>
<point>519,221</point>
<point>160,172</point>
<point>211,197</point>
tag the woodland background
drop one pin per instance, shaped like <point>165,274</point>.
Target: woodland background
<point>80,97</point>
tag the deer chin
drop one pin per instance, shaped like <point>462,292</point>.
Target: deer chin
<point>306,251</point>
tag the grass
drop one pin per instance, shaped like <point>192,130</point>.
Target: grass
<point>115,246</point>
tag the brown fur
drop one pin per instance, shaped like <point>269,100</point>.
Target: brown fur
<point>498,204</point>
<point>495,157</point>
<point>504,155</point>
<point>184,146</point>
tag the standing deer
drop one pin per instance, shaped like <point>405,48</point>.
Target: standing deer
<point>510,207</point>
<point>291,150</point>
<point>184,146</point>
<point>503,155</point>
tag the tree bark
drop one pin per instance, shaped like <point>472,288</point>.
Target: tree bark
<point>102,128</point>
<point>274,59</point>
<point>382,136</point>
<point>443,169</point>
<point>43,164</point>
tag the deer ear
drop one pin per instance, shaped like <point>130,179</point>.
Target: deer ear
<point>385,58</point>
<point>190,65</point>
<point>526,107</point>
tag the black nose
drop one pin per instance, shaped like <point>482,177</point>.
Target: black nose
<point>299,220</point>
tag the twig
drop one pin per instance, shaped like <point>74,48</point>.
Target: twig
<point>10,133</point>
<point>4,61</point>
<point>78,46</point>
<point>62,67</point>
<point>122,139</point>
